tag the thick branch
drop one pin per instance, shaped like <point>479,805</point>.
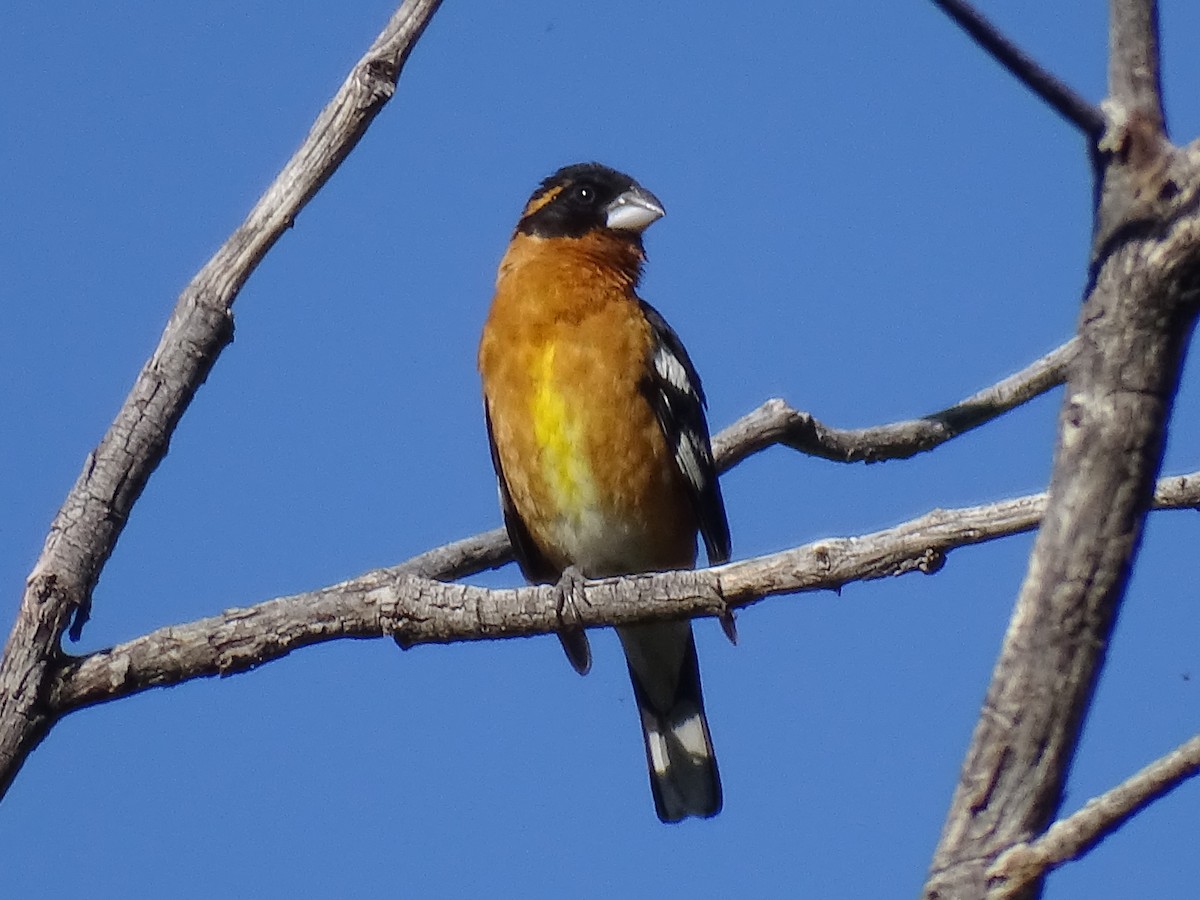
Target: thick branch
<point>418,611</point>
<point>1134,330</point>
<point>1075,835</point>
<point>1134,78</point>
<point>91,519</point>
<point>1065,101</point>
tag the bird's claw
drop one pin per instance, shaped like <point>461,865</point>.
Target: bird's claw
<point>571,634</point>
<point>729,626</point>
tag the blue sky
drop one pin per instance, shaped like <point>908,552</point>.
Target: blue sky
<point>866,217</point>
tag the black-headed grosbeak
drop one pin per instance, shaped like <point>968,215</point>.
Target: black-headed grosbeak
<point>596,421</point>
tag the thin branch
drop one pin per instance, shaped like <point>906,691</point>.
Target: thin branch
<point>87,527</point>
<point>459,559</point>
<point>1134,76</point>
<point>1072,837</point>
<point>419,611</point>
<point>777,423</point>
<point>1085,116</point>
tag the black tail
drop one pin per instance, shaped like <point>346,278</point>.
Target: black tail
<point>679,752</point>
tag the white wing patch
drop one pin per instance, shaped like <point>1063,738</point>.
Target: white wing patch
<point>672,371</point>
<point>688,458</point>
<point>690,455</point>
<point>673,389</point>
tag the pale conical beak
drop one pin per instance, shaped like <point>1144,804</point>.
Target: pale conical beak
<point>634,210</point>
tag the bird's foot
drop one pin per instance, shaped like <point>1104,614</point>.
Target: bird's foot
<point>728,625</point>
<point>570,633</point>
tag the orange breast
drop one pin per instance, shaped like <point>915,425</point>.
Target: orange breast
<point>589,471</point>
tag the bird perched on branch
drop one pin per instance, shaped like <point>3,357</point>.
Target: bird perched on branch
<point>596,421</point>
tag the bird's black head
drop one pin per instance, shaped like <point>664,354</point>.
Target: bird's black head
<point>587,197</point>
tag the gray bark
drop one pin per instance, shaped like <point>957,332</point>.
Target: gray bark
<point>1133,331</point>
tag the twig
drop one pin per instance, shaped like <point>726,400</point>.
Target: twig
<point>777,423</point>
<point>469,556</point>
<point>1067,103</point>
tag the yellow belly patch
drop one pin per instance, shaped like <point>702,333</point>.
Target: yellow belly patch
<point>556,432</point>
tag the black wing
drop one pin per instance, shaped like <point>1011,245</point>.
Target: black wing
<point>674,391</point>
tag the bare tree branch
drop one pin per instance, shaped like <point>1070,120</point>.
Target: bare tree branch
<point>1136,191</point>
<point>1067,103</point>
<point>777,423</point>
<point>1072,837</point>
<point>469,556</point>
<point>1134,78</point>
<point>91,519</point>
<point>1134,329</point>
<point>1111,438</point>
<point>418,611</point>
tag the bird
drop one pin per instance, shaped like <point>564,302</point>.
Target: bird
<point>596,423</point>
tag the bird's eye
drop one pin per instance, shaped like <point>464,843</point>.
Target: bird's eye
<point>585,194</point>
